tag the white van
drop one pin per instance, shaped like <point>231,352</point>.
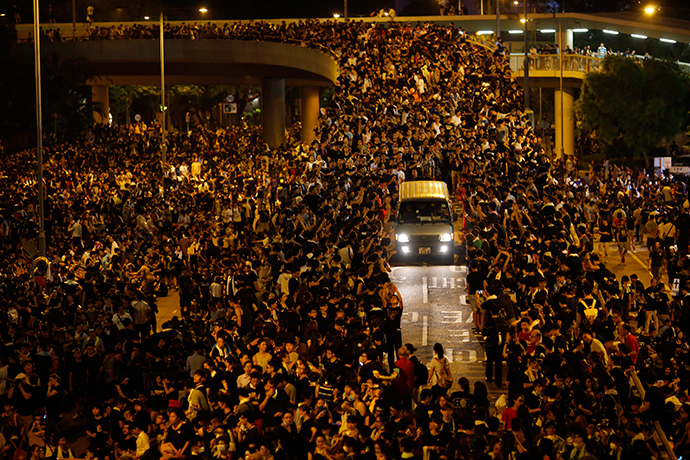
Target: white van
<point>424,225</point>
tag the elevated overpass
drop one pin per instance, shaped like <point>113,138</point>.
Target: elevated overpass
<point>273,65</point>
<point>545,72</point>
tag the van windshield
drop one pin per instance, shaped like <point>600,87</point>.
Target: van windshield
<point>420,212</point>
<point>682,161</point>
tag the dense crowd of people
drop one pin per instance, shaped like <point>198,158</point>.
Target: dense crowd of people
<point>288,344</point>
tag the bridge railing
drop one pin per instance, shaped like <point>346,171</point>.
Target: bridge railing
<point>571,63</point>
<point>551,62</point>
<point>668,447</point>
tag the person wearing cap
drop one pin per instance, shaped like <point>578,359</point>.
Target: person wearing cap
<point>95,340</point>
<point>24,396</point>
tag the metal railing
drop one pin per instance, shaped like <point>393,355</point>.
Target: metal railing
<point>552,62</point>
<point>571,63</point>
<point>657,426</point>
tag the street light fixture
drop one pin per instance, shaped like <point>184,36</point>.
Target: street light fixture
<point>651,9</point>
<point>146,18</point>
<point>336,15</point>
<point>164,154</point>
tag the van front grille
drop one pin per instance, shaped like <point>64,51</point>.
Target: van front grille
<point>423,238</point>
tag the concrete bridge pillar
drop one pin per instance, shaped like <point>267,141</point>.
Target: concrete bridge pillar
<point>309,112</point>
<point>273,111</point>
<point>100,95</point>
<point>565,124</point>
<point>567,38</point>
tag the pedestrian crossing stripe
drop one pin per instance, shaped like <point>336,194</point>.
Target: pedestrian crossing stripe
<point>455,355</point>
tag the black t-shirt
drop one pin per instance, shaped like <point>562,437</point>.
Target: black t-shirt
<point>366,371</point>
<point>127,444</point>
<point>392,316</point>
<point>656,399</point>
<point>475,282</point>
<point>178,437</point>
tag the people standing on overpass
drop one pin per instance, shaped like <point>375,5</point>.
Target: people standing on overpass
<point>601,51</point>
<point>89,15</point>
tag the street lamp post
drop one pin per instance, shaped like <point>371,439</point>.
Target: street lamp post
<point>498,20</point>
<point>39,133</point>
<point>525,22</point>
<point>526,63</point>
<point>164,155</point>
<point>560,52</point>
<point>345,9</point>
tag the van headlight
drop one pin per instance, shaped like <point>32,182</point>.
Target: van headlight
<point>447,237</point>
<point>402,238</point>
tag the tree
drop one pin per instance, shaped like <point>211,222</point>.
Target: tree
<point>638,106</point>
<point>67,108</point>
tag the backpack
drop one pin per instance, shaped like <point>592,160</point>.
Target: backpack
<point>590,312</point>
<point>445,378</point>
<point>421,373</point>
<point>19,453</point>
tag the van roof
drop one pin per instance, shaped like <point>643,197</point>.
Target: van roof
<point>423,190</point>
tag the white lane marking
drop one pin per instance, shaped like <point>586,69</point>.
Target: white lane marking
<point>452,283</point>
<point>425,331</point>
<point>453,268</point>
<point>434,282</point>
<point>410,317</point>
<point>464,300</point>
<point>425,290</point>
<point>470,320</point>
<point>464,334</point>
<point>452,317</point>
<point>473,356</point>
<point>462,283</point>
<point>449,354</point>
<point>463,268</point>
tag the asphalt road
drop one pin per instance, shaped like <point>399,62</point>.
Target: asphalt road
<point>436,310</point>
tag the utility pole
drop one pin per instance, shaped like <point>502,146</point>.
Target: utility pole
<point>39,133</point>
<point>164,155</point>
<point>498,20</point>
<point>526,63</point>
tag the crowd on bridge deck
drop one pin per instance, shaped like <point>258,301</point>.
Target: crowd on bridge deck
<point>289,341</point>
<point>264,31</point>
